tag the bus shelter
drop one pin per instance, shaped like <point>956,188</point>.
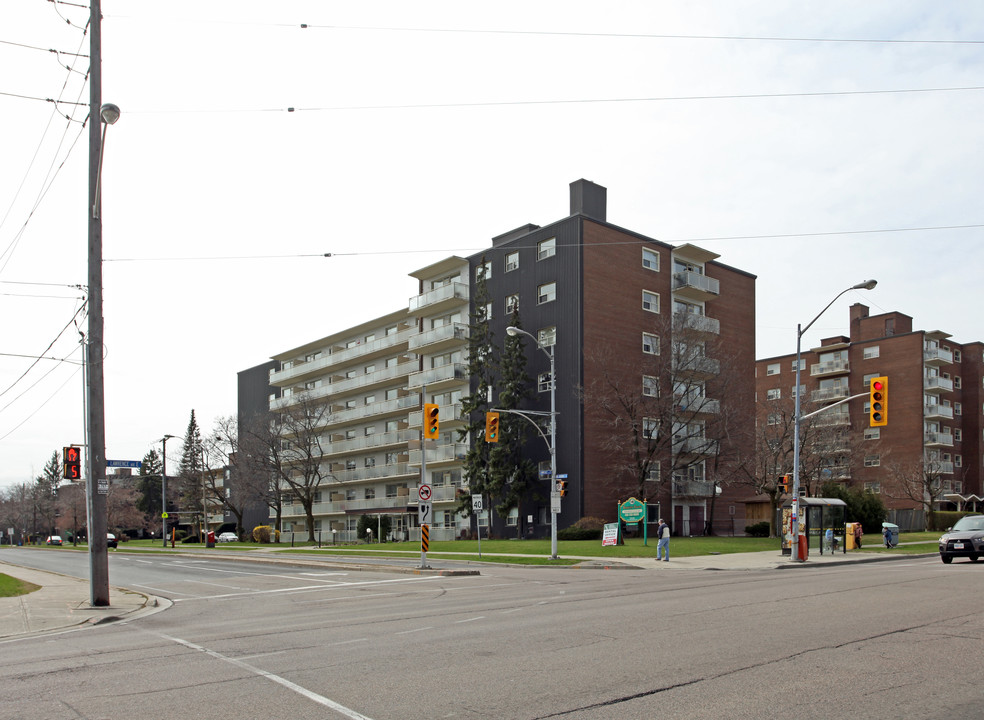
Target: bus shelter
<point>822,521</point>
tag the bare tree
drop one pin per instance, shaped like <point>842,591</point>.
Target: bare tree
<point>254,463</point>
<point>121,506</point>
<point>920,481</point>
<point>71,509</point>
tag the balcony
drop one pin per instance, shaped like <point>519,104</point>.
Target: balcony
<point>935,411</point>
<point>694,286</point>
<point>831,419</point>
<point>697,406</point>
<point>451,414</point>
<point>341,386</point>
<point>440,338</point>
<point>829,394</point>
<point>376,441</point>
<point>937,439</point>
<point>696,366</point>
<point>938,467</point>
<point>440,299</point>
<point>936,384</point>
<point>830,367</point>
<point>693,445</point>
<point>835,472</point>
<point>439,378</point>
<point>399,406</point>
<point>937,356</point>
<point>693,488</point>
<point>438,455</point>
<point>697,323</point>
<point>300,370</point>
<point>376,472</point>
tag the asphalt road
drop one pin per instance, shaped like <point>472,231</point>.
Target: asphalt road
<point>903,639</point>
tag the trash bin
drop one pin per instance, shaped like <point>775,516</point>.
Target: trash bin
<point>210,539</point>
<point>849,535</point>
<point>890,533</point>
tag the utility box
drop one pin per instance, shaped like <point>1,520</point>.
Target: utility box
<point>849,536</point>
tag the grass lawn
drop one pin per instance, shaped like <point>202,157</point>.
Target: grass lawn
<point>12,587</point>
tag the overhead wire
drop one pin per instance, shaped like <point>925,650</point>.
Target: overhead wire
<point>50,345</point>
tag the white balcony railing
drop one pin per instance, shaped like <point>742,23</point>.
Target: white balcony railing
<point>443,334</point>
<point>443,374</point>
<point>937,384</point>
<point>830,367</point>
<point>443,294</point>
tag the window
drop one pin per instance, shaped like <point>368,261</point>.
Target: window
<point>350,434</point>
<point>873,487</point>
<point>793,393</point>
<point>872,433</point>
<point>487,310</point>
<point>349,374</point>
<point>512,519</point>
<point>546,248</point>
<point>311,357</point>
<point>312,384</point>
<point>956,356</point>
<point>957,434</point>
<point>512,304</point>
<point>867,379</point>
<point>872,460</point>
<point>546,293</point>
<point>650,301</point>
<point>370,369</point>
<point>512,261</point>
<point>775,419</point>
<point>650,259</point>
<point>650,427</point>
<point>392,425</point>
<point>773,394</point>
<point>957,408</point>
<point>349,404</point>
<point>392,458</point>
<point>370,462</point>
<point>802,365</point>
<point>483,270</point>
<point>650,344</point>
<point>370,493</point>
<point>369,399</point>
<point>350,464</point>
<point>871,352</point>
<point>547,337</point>
<point>956,382</point>
<point>370,430</point>
<point>392,362</point>
<point>650,386</point>
<point>958,461</point>
<point>392,330</point>
<point>772,369</point>
<point>543,383</point>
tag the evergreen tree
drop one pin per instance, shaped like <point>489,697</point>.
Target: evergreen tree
<point>45,492</point>
<point>190,468</point>
<point>149,484</point>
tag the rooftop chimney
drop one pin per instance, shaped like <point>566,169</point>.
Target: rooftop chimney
<point>589,199</point>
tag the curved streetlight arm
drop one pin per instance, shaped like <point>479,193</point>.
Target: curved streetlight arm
<point>866,285</point>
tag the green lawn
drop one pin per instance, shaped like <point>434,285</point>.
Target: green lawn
<point>12,587</point>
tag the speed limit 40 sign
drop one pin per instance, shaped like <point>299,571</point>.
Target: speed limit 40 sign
<point>477,503</point>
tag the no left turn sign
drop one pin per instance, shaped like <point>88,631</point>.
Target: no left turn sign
<point>424,492</point>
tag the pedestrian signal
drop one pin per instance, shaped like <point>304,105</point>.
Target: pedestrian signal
<point>71,463</point>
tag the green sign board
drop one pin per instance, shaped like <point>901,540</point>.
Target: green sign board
<point>632,511</point>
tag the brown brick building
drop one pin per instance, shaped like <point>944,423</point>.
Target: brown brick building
<point>929,453</point>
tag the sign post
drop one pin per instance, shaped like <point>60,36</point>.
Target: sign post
<point>477,509</point>
<point>634,511</point>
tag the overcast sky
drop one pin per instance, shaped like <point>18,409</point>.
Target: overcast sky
<point>814,145</point>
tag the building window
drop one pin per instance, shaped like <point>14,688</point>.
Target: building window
<point>872,433</point>
<point>957,408</point>
<point>773,394</point>
<point>350,464</point>
<point>650,259</point>
<point>546,293</point>
<point>512,304</point>
<point>802,365</point>
<point>487,310</point>
<point>956,356</point>
<point>650,344</point>
<point>872,460</point>
<point>546,248</point>
<point>793,393</point>
<point>772,369</point>
<point>958,461</point>
<point>957,434</point>
<point>512,261</point>
<point>650,386</point>
<point>483,270</point>
<point>867,379</point>
<point>370,493</point>
<point>350,434</point>
<point>650,427</point>
<point>392,330</point>
<point>512,519</point>
<point>392,458</point>
<point>870,352</point>
<point>547,337</point>
<point>543,383</point>
<point>956,382</point>
<point>370,369</point>
<point>873,487</point>
<point>775,419</point>
<point>370,430</point>
<point>369,399</point>
<point>650,301</point>
<point>370,462</point>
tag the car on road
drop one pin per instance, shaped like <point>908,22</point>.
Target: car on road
<point>228,537</point>
<point>53,540</point>
<point>110,540</point>
<point>964,539</point>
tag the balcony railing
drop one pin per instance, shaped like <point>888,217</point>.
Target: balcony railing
<point>451,293</point>
<point>440,454</point>
<point>937,438</point>
<point>830,367</point>
<point>832,393</point>
<point>697,364</point>
<point>693,488</point>
<point>694,446</point>
<point>937,356</point>
<point>698,323</point>
<point>376,440</point>
<point>455,372</point>
<point>446,334</point>
<point>828,419</point>
<point>934,410</point>
<point>695,285</point>
<point>937,384</point>
<point>697,406</point>
<point>300,369</point>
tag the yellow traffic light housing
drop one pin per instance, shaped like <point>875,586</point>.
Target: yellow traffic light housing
<point>562,487</point>
<point>432,412</point>
<point>878,402</point>
<point>72,463</point>
<point>784,483</point>
<point>491,427</point>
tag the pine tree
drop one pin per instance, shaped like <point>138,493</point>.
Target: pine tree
<point>190,468</point>
<point>149,484</point>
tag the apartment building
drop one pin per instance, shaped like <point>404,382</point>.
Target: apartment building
<point>581,286</point>
<point>929,452</point>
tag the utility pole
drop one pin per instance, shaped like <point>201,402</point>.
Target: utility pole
<point>96,482</point>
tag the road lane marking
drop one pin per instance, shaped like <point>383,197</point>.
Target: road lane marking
<point>480,617</point>
<point>311,588</point>
<point>417,630</point>
<point>304,692</point>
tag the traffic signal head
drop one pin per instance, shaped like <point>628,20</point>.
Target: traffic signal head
<point>562,487</point>
<point>431,412</point>
<point>491,427</point>
<point>784,483</point>
<point>878,405</point>
<point>71,463</point>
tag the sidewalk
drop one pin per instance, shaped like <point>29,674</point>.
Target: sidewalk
<point>63,602</point>
<point>765,560</point>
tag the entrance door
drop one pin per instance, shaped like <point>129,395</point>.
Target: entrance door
<point>678,521</point>
<point>696,519</point>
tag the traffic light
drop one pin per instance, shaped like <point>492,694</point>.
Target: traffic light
<point>878,406</point>
<point>491,427</point>
<point>72,463</point>
<point>431,413</point>
<point>784,483</point>
<point>562,487</point>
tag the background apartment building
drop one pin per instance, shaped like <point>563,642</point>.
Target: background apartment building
<point>589,291</point>
<point>929,452</point>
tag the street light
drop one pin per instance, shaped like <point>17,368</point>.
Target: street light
<point>513,332</point>
<point>164,486</point>
<point>795,551</point>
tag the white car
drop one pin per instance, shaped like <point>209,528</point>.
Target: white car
<point>228,537</point>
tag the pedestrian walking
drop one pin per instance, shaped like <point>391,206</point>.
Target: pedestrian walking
<point>663,546</point>
<point>858,532</point>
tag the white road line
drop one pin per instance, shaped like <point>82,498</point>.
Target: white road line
<point>310,695</point>
<point>480,617</point>
<point>310,588</point>
<point>408,632</point>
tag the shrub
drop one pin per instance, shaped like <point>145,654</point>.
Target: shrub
<point>265,534</point>
<point>943,519</point>
<point>759,529</point>
<point>372,522</point>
